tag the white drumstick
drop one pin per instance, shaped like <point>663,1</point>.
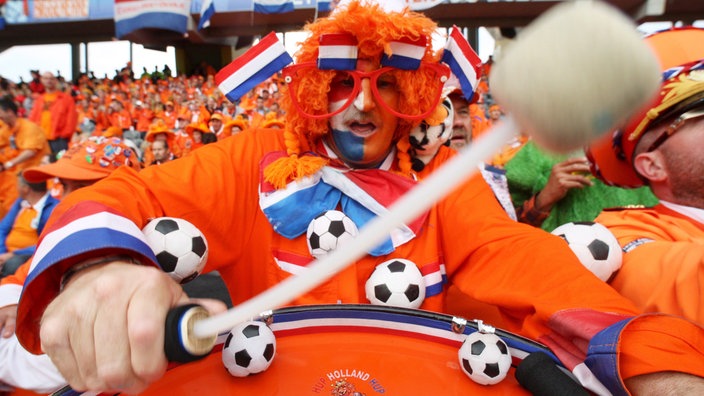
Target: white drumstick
<point>568,94</point>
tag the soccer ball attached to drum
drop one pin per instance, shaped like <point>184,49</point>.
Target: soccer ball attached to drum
<point>329,230</point>
<point>595,246</point>
<point>180,247</point>
<point>397,283</point>
<point>485,358</point>
<point>249,349</point>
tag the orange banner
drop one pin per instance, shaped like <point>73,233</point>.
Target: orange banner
<point>50,9</point>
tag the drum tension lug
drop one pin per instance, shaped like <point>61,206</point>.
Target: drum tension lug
<point>267,317</point>
<point>458,324</point>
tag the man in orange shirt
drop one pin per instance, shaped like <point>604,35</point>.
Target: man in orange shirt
<point>345,142</point>
<point>663,261</point>
<point>20,228</point>
<point>22,144</point>
<point>55,112</point>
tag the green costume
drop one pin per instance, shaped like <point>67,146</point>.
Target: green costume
<point>528,173</point>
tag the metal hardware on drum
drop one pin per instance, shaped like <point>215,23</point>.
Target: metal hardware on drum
<point>267,317</point>
<point>484,328</point>
<point>458,324</point>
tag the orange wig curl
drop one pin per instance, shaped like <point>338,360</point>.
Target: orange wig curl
<point>374,30</point>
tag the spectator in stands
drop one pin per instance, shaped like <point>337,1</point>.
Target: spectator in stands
<point>161,152</point>
<point>21,226</point>
<point>55,112</point>
<point>22,144</point>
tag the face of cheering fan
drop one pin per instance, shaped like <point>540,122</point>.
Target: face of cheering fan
<point>362,135</point>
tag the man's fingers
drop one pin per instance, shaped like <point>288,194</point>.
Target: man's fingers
<point>146,317</point>
<point>55,343</point>
<point>213,306</point>
<point>112,358</point>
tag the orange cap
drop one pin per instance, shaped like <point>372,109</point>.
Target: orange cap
<point>112,131</point>
<point>159,126</point>
<point>92,159</point>
<point>680,53</point>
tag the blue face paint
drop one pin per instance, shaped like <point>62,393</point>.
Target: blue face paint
<point>349,147</point>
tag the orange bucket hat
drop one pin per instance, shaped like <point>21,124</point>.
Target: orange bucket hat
<point>197,126</point>
<point>157,127</point>
<point>92,159</point>
<point>271,121</point>
<point>681,55</point>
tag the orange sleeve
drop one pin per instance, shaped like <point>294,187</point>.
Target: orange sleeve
<point>640,355</point>
<point>663,261</point>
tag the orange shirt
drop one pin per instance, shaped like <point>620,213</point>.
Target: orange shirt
<point>663,260</point>
<point>22,234</point>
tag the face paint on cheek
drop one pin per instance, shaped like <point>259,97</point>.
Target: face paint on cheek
<point>349,147</point>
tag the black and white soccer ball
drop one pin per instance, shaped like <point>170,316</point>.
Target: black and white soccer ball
<point>397,283</point>
<point>329,230</point>
<point>595,246</point>
<point>485,358</point>
<point>249,349</point>
<point>180,248</point>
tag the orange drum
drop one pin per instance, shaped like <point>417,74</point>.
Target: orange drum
<point>352,350</point>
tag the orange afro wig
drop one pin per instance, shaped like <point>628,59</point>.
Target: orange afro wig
<point>374,30</point>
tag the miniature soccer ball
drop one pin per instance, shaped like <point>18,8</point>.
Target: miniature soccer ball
<point>249,349</point>
<point>329,230</point>
<point>595,246</point>
<point>180,248</point>
<point>485,358</point>
<point>397,283</point>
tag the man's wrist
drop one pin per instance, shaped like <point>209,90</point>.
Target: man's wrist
<point>71,272</point>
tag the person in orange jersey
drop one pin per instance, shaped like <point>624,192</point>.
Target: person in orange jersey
<point>55,112</point>
<point>663,246</point>
<point>22,144</point>
<point>193,139</point>
<point>346,142</point>
<point>158,131</point>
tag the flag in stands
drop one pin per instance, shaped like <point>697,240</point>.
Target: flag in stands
<point>131,15</point>
<point>323,5</point>
<point>260,62</point>
<point>463,61</point>
<point>273,6</point>
<point>207,10</point>
<point>337,51</point>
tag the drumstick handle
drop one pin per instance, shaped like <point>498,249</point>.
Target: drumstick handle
<point>180,343</point>
<point>540,375</point>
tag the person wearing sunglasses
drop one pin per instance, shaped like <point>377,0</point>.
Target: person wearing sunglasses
<point>663,245</point>
<point>344,146</point>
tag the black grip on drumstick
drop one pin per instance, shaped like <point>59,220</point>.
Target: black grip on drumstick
<point>540,375</point>
<point>180,344</point>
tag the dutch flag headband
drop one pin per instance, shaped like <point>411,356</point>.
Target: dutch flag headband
<point>339,51</point>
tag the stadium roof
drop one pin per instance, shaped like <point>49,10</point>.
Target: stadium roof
<point>239,28</point>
